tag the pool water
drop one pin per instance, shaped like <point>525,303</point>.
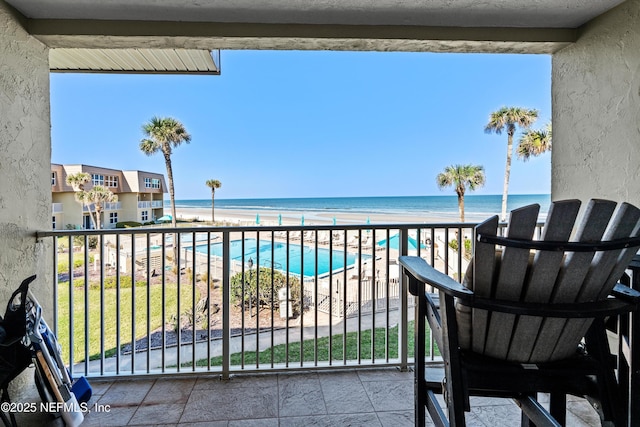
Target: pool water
<point>302,259</point>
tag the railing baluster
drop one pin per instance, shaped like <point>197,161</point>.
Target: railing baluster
<point>194,326</point>
<point>403,336</point>
<point>87,350</point>
<point>102,303</point>
<point>272,298</point>
<point>257,300</point>
<point>301,278</point>
<point>163,263</point>
<point>117,304</point>
<point>133,303</point>
<point>148,271</point>
<point>209,282</point>
<point>286,303</point>
<point>71,306</point>
<point>226,304</point>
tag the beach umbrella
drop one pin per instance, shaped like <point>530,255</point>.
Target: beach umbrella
<point>395,240</point>
<point>334,220</point>
<point>165,218</point>
<point>258,219</point>
<point>302,220</point>
<point>279,219</point>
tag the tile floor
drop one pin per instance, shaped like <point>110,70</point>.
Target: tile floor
<point>381,397</point>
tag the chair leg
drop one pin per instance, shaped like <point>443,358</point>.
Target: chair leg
<point>457,397</point>
<point>598,346</point>
<point>558,407</point>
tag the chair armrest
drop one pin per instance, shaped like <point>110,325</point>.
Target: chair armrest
<point>625,293</point>
<point>418,269</point>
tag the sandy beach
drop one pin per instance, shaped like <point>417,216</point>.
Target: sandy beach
<point>271,217</point>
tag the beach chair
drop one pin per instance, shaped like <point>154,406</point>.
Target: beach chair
<point>529,316</point>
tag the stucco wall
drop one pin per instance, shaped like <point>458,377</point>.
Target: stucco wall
<point>25,156</point>
<point>596,110</point>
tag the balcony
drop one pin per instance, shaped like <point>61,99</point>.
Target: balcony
<point>110,206</point>
<point>151,204</point>
<point>333,327</point>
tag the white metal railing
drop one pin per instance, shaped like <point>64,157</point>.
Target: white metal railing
<point>56,208</point>
<point>150,204</point>
<point>336,298</point>
<point>109,206</point>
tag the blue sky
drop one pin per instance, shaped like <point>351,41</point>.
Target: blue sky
<point>311,124</point>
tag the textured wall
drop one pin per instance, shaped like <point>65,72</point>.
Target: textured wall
<point>596,110</point>
<point>25,156</point>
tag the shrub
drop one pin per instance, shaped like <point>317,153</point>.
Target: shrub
<point>128,224</point>
<point>262,297</point>
<point>453,244</point>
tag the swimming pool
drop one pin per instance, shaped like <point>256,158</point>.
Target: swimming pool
<point>262,252</point>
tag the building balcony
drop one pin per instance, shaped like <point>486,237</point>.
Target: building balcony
<point>208,333</point>
<point>154,204</point>
<point>111,206</point>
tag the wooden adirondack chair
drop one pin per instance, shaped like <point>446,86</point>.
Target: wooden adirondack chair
<point>530,314</point>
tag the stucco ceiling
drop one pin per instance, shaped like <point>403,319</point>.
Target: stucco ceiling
<point>448,13</point>
<point>79,31</point>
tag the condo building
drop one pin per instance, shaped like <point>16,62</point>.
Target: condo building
<point>140,196</point>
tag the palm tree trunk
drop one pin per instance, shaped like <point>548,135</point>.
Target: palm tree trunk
<point>91,217</point>
<point>98,211</point>
<point>167,160</point>
<point>461,206</point>
<point>212,201</point>
<point>507,172</point>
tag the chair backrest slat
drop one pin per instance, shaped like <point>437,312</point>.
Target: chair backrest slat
<point>482,283</point>
<point>509,285</point>
<point>544,269</point>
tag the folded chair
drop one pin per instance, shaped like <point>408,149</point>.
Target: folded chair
<point>529,316</point>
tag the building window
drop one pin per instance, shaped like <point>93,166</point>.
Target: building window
<point>144,215</point>
<point>53,178</point>
<point>151,183</point>
<point>113,217</point>
<point>111,181</point>
<point>53,220</point>
<point>97,179</point>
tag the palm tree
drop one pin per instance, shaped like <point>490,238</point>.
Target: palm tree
<point>534,143</point>
<point>98,196</point>
<point>77,182</point>
<point>509,118</point>
<point>461,177</point>
<point>163,134</point>
<point>213,184</point>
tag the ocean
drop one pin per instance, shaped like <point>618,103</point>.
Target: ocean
<point>477,207</point>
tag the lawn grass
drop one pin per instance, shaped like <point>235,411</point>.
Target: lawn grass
<point>78,261</point>
<point>278,354</point>
<point>110,317</point>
